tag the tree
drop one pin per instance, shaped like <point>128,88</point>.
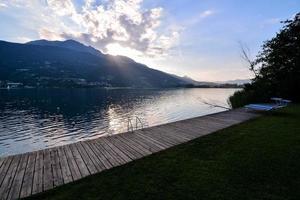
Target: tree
<point>245,54</point>
<point>276,67</point>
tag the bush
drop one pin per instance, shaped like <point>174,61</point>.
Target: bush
<point>240,98</point>
<point>277,68</point>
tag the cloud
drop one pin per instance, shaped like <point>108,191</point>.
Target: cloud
<point>122,22</point>
<point>16,3</point>
<point>23,39</point>
<point>270,22</point>
<point>206,13</point>
<point>198,18</point>
<point>62,8</point>
<point>50,35</point>
<point>2,5</point>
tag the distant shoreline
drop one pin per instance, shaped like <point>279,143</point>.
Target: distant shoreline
<point>128,88</point>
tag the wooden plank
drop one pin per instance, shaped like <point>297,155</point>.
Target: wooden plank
<point>143,136</point>
<point>38,173</point>
<point>65,169</point>
<point>112,160</point>
<point>99,165</point>
<point>113,147</point>
<point>115,151</point>
<point>72,164</point>
<point>4,168</point>
<point>133,145</point>
<point>154,141</point>
<point>125,149</point>
<point>195,132</point>
<point>158,138</point>
<point>56,169</point>
<point>47,168</point>
<point>166,135</point>
<point>188,128</point>
<point>9,177</point>
<point>2,160</point>
<point>145,143</point>
<point>29,176</point>
<point>136,145</point>
<point>89,163</point>
<point>222,119</point>
<point>15,188</point>
<point>80,162</point>
<point>204,124</point>
<point>183,131</point>
<point>110,153</point>
<point>161,137</point>
<point>175,133</point>
<point>214,120</point>
<point>235,116</point>
<point>100,155</point>
<point>187,131</point>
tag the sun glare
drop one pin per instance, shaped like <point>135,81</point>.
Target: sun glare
<point>116,49</point>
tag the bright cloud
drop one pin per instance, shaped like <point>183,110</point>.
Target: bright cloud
<point>62,8</point>
<point>270,22</point>
<point>23,39</point>
<point>199,17</point>
<point>116,49</point>
<point>206,13</point>
<point>2,5</point>
<point>116,22</point>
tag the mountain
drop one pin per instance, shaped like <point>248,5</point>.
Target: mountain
<point>236,81</point>
<point>191,81</point>
<point>69,44</point>
<point>197,83</point>
<point>69,63</point>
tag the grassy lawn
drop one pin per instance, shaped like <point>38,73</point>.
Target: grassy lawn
<point>259,159</point>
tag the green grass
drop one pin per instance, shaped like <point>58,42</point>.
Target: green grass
<point>259,159</point>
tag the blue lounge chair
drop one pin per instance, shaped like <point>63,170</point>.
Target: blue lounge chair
<point>261,107</point>
<point>279,103</point>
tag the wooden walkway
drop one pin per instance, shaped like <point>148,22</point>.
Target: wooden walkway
<point>30,173</point>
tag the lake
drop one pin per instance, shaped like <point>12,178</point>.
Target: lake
<point>33,119</point>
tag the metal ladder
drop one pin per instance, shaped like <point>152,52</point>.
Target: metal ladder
<point>130,127</point>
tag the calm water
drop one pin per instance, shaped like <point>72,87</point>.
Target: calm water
<point>32,119</point>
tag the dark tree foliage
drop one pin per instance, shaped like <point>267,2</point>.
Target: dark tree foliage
<point>277,68</point>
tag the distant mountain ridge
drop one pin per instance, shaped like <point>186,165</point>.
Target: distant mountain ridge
<point>69,63</point>
<point>189,80</point>
<point>236,81</point>
<point>69,44</point>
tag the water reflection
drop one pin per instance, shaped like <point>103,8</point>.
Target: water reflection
<point>36,119</point>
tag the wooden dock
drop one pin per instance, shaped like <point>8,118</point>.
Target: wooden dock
<point>34,172</point>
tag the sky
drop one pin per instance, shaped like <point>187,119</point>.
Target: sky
<point>196,38</point>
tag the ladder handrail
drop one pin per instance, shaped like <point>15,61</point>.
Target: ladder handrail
<point>129,123</point>
<point>130,127</point>
<point>137,119</point>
